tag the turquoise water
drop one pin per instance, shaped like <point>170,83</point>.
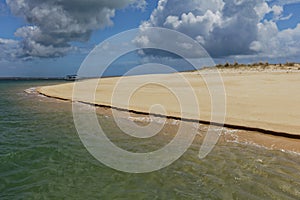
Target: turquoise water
<point>42,157</point>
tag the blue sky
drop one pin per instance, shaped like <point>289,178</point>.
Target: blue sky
<point>52,38</point>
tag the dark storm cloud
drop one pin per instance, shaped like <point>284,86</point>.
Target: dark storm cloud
<point>237,32</point>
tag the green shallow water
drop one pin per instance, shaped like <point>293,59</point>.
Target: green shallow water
<point>42,157</point>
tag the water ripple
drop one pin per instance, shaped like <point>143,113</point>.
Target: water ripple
<point>42,157</point>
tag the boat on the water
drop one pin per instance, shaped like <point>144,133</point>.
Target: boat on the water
<point>71,77</point>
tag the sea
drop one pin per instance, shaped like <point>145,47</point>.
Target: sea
<point>42,157</point>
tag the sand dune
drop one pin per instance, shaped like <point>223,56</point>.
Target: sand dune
<point>262,99</point>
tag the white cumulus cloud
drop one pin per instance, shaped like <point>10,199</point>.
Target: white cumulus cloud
<point>227,27</point>
<point>54,24</point>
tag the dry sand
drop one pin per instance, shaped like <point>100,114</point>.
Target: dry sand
<point>266,99</point>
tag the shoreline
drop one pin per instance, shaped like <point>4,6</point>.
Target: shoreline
<point>230,126</point>
<point>229,135</point>
<point>265,102</point>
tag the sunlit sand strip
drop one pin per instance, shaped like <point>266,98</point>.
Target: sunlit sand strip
<point>265,101</point>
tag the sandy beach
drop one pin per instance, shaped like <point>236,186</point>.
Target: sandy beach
<point>265,99</point>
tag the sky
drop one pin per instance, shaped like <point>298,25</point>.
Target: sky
<point>51,38</point>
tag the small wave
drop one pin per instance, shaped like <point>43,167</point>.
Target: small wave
<point>158,120</point>
<point>140,119</point>
<point>31,90</point>
<point>175,122</point>
<point>290,152</point>
<point>83,106</point>
<point>41,95</point>
<point>235,138</point>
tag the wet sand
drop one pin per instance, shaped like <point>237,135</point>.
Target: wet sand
<point>228,135</point>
